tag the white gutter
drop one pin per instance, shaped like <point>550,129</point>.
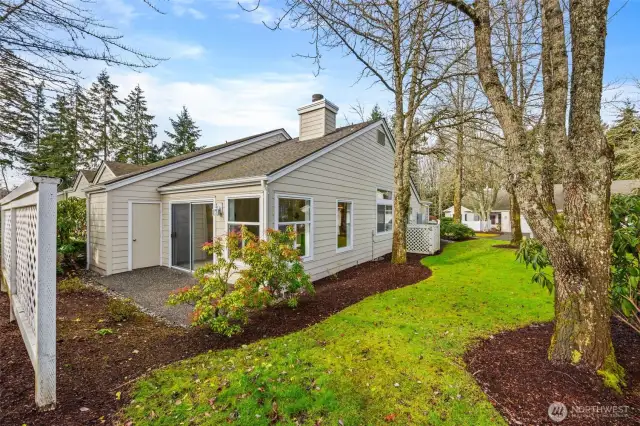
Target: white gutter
<point>265,207</point>
<point>228,183</point>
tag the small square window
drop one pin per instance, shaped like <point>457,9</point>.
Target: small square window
<point>381,137</point>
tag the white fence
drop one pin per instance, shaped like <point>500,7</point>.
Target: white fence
<point>28,224</point>
<point>423,239</point>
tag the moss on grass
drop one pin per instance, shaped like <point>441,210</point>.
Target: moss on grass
<point>396,355</point>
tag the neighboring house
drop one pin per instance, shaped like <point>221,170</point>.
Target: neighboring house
<point>500,220</point>
<point>82,181</point>
<point>333,185</point>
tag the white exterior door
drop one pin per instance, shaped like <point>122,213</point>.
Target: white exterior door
<point>145,235</point>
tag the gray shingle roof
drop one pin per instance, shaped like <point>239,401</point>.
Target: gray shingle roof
<point>617,187</point>
<point>271,159</point>
<point>88,174</point>
<point>161,163</point>
<point>121,169</point>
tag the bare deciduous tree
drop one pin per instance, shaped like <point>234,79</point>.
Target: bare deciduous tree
<point>409,48</point>
<point>579,247</point>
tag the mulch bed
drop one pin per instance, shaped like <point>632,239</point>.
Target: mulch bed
<point>92,369</point>
<point>513,370</point>
<point>506,246</point>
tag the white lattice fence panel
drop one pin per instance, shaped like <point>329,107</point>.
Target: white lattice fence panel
<point>424,239</point>
<point>26,265</point>
<point>29,266</point>
<point>6,241</point>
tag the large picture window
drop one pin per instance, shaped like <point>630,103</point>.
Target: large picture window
<point>243,212</point>
<point>296,213</point>
<point>344,225</point>
<point>384,211</point>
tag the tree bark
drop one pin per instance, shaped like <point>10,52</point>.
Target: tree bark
<point>457,185</point>
<point>514,217</point>
<point>580,249</point>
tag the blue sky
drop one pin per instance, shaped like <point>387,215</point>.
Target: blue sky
<point>237,77</point>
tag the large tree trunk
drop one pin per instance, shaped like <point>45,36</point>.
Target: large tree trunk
<point>580,250</point>
<point>514,217</point>
<point>457,185</point>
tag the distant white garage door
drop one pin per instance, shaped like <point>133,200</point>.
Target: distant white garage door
<point>145,235</point>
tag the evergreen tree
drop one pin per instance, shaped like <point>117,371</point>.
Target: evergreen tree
<point>137,130</point>
<point>57,156</point>
<point>184,136</point>
<point>105,118</point>
<point>624,135</point>
<point>376,113</point>
<point>30,123</point>
<point>79,128</point>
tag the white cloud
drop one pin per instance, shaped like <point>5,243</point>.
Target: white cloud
<point>119,11</point>
<point>226,108</point>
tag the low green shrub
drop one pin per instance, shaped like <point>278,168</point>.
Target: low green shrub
<point>122,310</point>
<point>454,231</point>
<point>104,332</point>
<point>624,290</point>
<point>70,284</point>
<point>273,273</point>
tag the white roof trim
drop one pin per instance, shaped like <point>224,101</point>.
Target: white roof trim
<point>181,163</point>
<point>305,160</point>
<point>322,103</point>
<point>385,127</point>
<point>100,171</point>
<point>213,184</point>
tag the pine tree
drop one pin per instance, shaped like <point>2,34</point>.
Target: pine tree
<point>624,135</point>
<point>376,113</point>
<point>138,130</point>
<point>105,118</point>
<point>30,123</point>
<point>79,128</point>
<point>184,137</point>
<point>57,156</point>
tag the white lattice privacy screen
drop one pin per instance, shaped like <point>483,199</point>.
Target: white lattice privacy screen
<point>423,239</point>
<point>29,272</point>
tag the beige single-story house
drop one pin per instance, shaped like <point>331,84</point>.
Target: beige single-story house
<point>82,181</point>
<point>500,220</point>
<point>333,185</point>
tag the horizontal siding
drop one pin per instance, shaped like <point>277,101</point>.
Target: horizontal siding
<point>147,189</point>
<point>98,231</point>
<point>107,174</point>
<point>312,124</point>
<point>352,172</point>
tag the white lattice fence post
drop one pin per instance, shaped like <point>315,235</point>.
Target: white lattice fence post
<point>45,367</point>
<point>29,266</point>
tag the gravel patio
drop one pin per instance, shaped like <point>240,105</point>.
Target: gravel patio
<point>150,288</point>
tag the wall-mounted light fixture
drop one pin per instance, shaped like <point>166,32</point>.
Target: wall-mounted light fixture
<point>219,209</point>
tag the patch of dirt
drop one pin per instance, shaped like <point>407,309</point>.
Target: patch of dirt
<point>507,246</point>
<point>92,369</point>
<point>513,370</point>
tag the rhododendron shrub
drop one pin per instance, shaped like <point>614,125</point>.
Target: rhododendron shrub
<point>216,303</point>
<point>271,272</point>
<point>275,267</point>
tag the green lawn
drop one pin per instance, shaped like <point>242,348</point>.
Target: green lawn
<point>395,356</point>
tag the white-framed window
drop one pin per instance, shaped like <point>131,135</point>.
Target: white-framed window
<point>384,211</point>
<point>296,211</point>
<point>244,210</point>
<point>344,225</point>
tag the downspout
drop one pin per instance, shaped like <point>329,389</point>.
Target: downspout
<point>88,244</point>
<point>265,205</point>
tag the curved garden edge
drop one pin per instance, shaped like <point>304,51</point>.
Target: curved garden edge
<point>513,370</point>
<point>93,369</point>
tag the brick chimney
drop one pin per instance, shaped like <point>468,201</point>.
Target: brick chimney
<point>317,118</point>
